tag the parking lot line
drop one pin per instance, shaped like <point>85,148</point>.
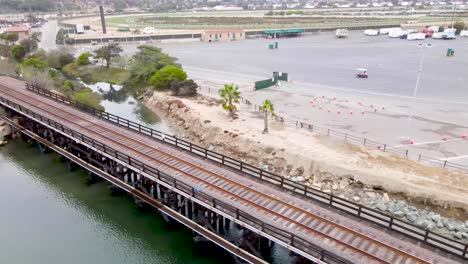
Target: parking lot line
<point>457,157</point>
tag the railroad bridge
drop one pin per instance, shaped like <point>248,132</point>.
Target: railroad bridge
<point>211,193</point>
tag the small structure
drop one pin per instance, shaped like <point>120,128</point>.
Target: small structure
<point>282,33</point>
<point>222,35</point>
<point>21,30</point>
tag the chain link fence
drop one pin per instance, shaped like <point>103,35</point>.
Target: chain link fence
<point>351,138</point>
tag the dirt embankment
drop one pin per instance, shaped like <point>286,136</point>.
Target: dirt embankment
<point>429,197</point>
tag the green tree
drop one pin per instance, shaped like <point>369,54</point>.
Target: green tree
<point>35,63</point>
<point>162,79</point>
<point>60,37</point>
<point>230,96</point>
<point>146,62</point>
<point>17,52</point>
<point>83,59</point>
<point>108,52</point>
<point>11,37</point>
<point>459,26</point>
<point>267,108</point>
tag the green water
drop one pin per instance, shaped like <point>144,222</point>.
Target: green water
<point>50,216</point>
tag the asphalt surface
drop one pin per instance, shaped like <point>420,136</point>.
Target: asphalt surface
<point>49,32</point>
<point>322,65</point>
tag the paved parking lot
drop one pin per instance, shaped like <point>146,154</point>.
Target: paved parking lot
<point>322,65</point>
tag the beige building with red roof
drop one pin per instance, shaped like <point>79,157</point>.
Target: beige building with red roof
<point>21,30</point>
<point>222,35</point>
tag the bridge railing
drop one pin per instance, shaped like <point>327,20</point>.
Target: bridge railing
<point>282,235</point>
<point>358,210</point>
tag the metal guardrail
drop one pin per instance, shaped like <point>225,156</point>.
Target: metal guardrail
<point>284,236</point>
<point>441,242</point>
<point>357,140</point>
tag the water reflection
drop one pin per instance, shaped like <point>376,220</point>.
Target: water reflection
<point>118,101</point>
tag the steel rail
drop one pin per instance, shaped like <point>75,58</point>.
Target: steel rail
<point>365,237</point>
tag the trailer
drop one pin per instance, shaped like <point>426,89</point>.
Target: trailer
<point>438,35</point>
<point>464,33</point>
<point>449,35</point>
<point>79,29</point>
<point>371,32</point>
<point>416,36</point>
<point>396,33</point>
<point>387,30</point>
<point>434,28</point>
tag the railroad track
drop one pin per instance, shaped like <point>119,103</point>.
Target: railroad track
<point>312,227</point>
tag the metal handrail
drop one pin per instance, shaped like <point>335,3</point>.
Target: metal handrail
<point>372,215</point>
<point>276,232</point>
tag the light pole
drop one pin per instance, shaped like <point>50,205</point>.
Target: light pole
<point>418,78</point>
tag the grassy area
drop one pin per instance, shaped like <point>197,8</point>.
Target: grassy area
<point>93,74</point>
<point>319,18</point>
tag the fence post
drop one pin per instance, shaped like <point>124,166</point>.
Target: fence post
<point>296,123</point>
<point>365,141</point>
<point>384,147</point>
<point>426,235</point>
<point>419,158</point>
<point>445,163</point>
<point>328,132</point>
<point>406,154</point>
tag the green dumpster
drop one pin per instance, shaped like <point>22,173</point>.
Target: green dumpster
<point>271,46</point>
<point>450,52</point>
<point>276,44</point>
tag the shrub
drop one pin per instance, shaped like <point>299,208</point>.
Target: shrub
<point>83,59</point>
<point>184,88</point>
<point>35,63</point>
<point>87,97</point>
<point>162,79</point>
<point>17,52</point>
<point>38,78</point>
<point>57,59</point>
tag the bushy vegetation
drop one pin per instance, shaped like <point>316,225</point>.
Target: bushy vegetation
<point>27,6</point>
<point>17,52</point>
<point>184,88</point>
<point>108,52</point>
<point>35,63</point>
<point>83,59</point>
<point>87,97</point>
<point>9,37</point>
<point>145,63</point>
<point>57,59</point>
<point>162,79</point>
<point>459,26</point>
<point>93,74</point>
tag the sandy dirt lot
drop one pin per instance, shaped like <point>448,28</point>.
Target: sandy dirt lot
<point>305,157</point>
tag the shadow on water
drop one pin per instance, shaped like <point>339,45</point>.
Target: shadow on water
<point>118,101</point>
<point>53,210</point>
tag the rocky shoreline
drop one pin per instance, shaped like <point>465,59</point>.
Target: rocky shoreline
<point>188,124</point>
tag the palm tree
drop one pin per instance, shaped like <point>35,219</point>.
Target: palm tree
<point>230,95</point>
<point>267,107</point>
